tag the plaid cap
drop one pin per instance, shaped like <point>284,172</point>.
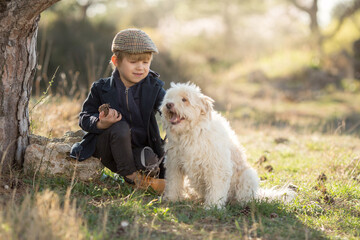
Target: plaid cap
<point>133,40</point>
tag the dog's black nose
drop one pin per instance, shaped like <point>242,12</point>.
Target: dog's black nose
<point>169,105</point>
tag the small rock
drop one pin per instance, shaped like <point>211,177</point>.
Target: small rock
<point>124,223</point>
<point>269,168</point>
<point>261,160</point>
<point>121,229</point>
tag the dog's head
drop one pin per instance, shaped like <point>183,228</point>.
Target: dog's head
<point>184,106</point>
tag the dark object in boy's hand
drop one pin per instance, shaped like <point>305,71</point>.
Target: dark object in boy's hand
<point>104,108</point>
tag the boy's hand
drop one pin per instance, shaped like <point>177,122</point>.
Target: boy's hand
<point>105,121</point>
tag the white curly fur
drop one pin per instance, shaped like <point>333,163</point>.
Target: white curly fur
<point>203,148</point>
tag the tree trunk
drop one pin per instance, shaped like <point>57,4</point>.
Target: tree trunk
<point>316,35</point>
<point>18,30</point>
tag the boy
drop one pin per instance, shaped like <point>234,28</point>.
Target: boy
<point>129,128</point>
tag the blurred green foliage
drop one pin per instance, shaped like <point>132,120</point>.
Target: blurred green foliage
<point>199,41</point>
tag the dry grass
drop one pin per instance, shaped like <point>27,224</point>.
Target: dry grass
<point>54,116</point>
<point>27,212</point>
<point>41,217</point>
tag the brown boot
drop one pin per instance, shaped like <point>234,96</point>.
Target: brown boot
<point>144,182</point>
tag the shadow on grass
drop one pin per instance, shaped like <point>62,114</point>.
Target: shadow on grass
<point>112,210</point>
<point>257,220</point>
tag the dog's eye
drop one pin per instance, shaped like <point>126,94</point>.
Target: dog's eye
<point>184,99</point>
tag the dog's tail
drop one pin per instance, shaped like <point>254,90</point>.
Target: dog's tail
<point>284,194</point>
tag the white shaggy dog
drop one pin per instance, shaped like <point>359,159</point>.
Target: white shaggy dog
<point>202,147</point>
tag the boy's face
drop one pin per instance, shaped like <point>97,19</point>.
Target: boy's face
<point>132,70</point>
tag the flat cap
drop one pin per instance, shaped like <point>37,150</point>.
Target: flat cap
<point>133,40</point>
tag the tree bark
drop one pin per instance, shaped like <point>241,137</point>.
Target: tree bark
<point>316,35</point>
<point>18,35</point>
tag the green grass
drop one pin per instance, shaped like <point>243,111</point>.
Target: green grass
<point>327,209</point>
<point>299,151</point>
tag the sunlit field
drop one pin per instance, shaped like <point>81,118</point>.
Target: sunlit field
<point>303,143</point>
<point>294,107</point>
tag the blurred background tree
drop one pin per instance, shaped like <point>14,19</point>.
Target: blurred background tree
<point>201,41</point>
<point>341,12</point>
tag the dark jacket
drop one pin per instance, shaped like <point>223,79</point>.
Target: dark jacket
<point>104,91</point>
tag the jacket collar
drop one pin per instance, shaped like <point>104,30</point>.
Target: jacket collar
<point>109,92</point>
<point>154,74</point>
<point>109,82</point>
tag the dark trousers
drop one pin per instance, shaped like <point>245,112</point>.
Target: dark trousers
<point>113,147</point>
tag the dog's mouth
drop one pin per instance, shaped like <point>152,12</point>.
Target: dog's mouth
<point>174,118</point>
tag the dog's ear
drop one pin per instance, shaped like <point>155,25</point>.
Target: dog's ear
<point>206,105</point>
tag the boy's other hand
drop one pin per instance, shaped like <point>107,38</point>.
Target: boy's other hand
<point>108,120</point>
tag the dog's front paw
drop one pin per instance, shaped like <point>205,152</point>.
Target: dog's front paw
<point>170,198</point>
